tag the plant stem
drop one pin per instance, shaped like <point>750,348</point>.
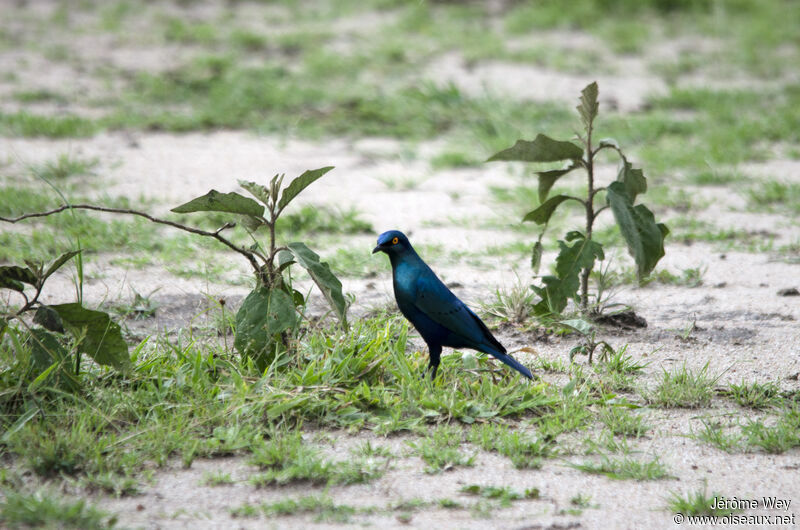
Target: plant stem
<point>273,217</point>
<point>590,215</point>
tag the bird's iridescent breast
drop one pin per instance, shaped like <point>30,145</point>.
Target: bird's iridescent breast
<point>404,280</point>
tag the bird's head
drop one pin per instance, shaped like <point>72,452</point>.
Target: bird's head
<point>393,243</point>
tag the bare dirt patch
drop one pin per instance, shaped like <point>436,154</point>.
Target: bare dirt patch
<point>735,322</point>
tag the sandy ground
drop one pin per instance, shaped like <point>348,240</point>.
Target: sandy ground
<point>743,328</point>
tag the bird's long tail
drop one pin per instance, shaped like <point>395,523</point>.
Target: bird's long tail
<point>507,359</point>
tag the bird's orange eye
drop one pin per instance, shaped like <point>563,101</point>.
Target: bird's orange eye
<point>394,240</point>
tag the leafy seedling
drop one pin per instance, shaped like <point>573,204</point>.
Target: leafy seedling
<point>269,314</point>
<point>578,252</point>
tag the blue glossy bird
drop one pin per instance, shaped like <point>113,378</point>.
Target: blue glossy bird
<point>437,314</point>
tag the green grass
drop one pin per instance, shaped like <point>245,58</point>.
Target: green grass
<point>690,277</point>
<point>504,494</point>
<point>134,240</point>
<point>321,507</point>
<point>38,96</point>
<point>524,451</point>
<point>716,177</point>
<point>754,395</point>
<point>190,399</point>
<point>776,438</point>
<point>367,449</point>
<point>625,468</point>
<point>769,434</point>
<point>183,32</point>
<point>65,166</point>
<point>310,220</point>
<point>684,389</point>
<point>218,478</point>
<point>556,366</point>
<point>454,159</point>
<point>449,504</point>
<point>696,503</point>
<point>715,434</point>
<point>620,362</point>
<point>292,83</point>
<point>61,232</point>
<point>46,509</point>
<point>570,414</point>
<point>286,458</point>
<point>775,195</point>
<point>355,262</point>
<point>513,304</point>
<point>219,93</point>
<point>622,422</point>
<point>728,126</point>
<point>186,398</point>
<point>27,124</point>
<point>440,450</point>
<point>690,230</point>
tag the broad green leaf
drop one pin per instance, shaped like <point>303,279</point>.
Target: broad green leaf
<point>298,298</point>
<point>214,201</point>
<point>552,294</point>
<point>46,349</point>
<point>285,259</point>
<point>558,290</point>
<point>548,178</point>
<point>48,318</point>
<point>609,142</point>
<point>579,256</point>
<point>644,237</point>
<point>578,324</point>
<point>59,262</point>
<point>588,107</point>
<point>258,191</point>
<point>14,276</point>
<point>3,326</point>
<point>299,184</point>
<point>633,180</point>
<point>251,223</point>
<point>536,256</point>
<point>100,337</point>
<point>321,273</point>
<point>541,149</point>
<point>264,315</point>
<point>49,355</point>
<point>541,215</point>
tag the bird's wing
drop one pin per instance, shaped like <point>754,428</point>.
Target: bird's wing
<point>443,307</point>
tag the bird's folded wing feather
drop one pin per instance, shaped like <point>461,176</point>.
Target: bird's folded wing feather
<point>443,307</point>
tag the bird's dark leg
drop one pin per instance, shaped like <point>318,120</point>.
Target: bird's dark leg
<point>433,365</point>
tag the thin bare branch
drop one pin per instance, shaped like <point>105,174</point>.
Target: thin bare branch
<point>216,235</point>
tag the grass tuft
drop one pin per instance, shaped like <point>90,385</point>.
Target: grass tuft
<point>624,423</point>
<point>625,468</point>
<point>440,450</point>
<point>524,451</point>
<point>684,389</point>
<point>44,509</point>
<point>696,503</point>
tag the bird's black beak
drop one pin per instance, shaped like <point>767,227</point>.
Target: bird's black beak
<point>377,249</point>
